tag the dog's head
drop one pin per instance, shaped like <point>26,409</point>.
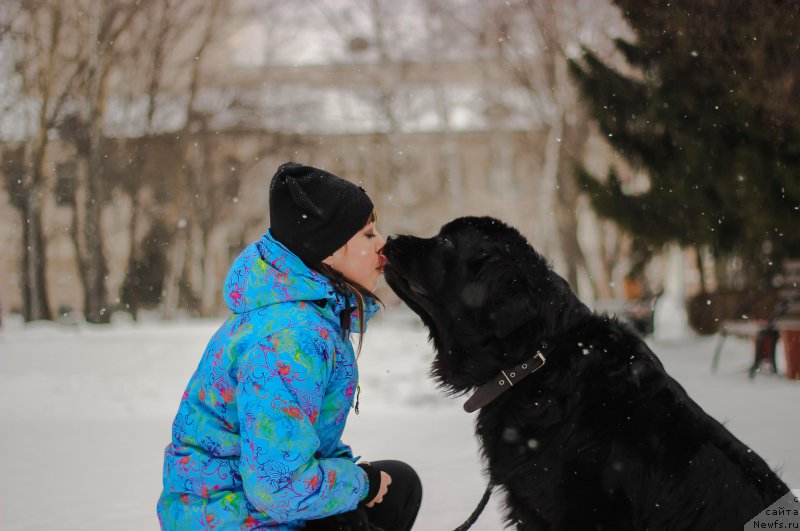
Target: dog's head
<point>483,292</point>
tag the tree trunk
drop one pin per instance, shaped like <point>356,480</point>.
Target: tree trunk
<point>175,266</point>
<point>36,305</point>
<point>609,250</point>
<point>133,302</point>
<point>90,235</point>
<point>549,180</point>
<point>207,294</point>
<point>566,206</point>
<point>722,271</point>
<point>608,254</point>
<point>95,293</point>
<point>698,255</point>
<point>34,282</point>
<point>34,278</point>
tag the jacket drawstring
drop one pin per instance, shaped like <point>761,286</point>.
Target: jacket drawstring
<point>344,322</point>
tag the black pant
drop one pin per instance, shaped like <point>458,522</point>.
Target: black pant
<point>397,511</point>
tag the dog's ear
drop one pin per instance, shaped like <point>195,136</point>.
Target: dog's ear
<point>510,304</point>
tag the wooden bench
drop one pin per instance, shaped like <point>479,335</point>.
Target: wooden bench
<point>765,334</point>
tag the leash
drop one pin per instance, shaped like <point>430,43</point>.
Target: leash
<point>478,510</point>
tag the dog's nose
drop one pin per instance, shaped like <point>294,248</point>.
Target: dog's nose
<point>389,246</point>
<point>389,239</point>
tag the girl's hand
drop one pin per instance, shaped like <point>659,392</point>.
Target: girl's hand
<point>386,480</point>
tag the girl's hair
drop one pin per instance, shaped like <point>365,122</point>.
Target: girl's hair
<point>346,287</point>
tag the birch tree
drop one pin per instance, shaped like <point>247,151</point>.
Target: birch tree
<point>536,38</point>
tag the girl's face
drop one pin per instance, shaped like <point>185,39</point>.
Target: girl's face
<point>359,260</point>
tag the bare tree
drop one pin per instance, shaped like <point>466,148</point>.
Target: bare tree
<point>538,63</point>
<point>159,28</point>
<point>530,40</point>
<point>149,74</point>
<point>33,33</point>
<point>197,169</point>
<point>203,175</point>
<point>370,32</point>
<point>126,55</point>
<point>103,26</point>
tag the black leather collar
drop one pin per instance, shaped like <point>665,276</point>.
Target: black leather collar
<point>504,381</point>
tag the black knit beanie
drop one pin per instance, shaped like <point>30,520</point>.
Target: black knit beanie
<point>313,212</point>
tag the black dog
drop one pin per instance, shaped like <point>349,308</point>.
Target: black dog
<point>600,437</point>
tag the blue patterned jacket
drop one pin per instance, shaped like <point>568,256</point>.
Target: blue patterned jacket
<point>256,442</point>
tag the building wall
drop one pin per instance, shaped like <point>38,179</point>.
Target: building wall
<point>417,182</point>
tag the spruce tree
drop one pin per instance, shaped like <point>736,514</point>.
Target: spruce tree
<point>708,105</point>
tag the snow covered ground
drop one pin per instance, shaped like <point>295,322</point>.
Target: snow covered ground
<point>86,413</point>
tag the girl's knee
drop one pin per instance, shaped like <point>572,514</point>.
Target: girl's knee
<point>403,477</point>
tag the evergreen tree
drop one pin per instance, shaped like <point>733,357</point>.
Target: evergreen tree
<point>708,106</point>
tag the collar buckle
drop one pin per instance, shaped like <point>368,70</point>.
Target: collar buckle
<point>486,393</point>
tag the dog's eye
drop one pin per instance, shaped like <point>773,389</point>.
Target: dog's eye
<point>478,260</point>
<point>444,241</point>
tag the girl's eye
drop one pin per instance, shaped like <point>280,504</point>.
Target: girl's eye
<point>370,235</point>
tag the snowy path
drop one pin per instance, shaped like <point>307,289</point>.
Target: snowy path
<point>86,414</point>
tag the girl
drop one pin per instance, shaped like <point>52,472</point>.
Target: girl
<point>256,443</point>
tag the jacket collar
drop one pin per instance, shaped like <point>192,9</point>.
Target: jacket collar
<point>268,273</point>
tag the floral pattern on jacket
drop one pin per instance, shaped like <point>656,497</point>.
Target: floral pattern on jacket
<point>256,442</point>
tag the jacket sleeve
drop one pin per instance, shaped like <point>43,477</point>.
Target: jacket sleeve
<point>342,450</point>
<point>281,386</point>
